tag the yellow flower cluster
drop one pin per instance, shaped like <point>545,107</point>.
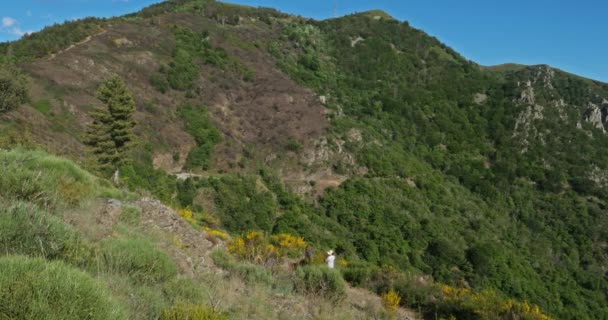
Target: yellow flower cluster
<point>488,305</point>
<point>288,245</point>
<point>217,233</point>
<point>187,214</point>
<point>391,301</point>
<point>343,263</point>
<point>256,247</point>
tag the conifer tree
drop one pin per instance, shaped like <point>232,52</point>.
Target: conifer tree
<point>111,133</point>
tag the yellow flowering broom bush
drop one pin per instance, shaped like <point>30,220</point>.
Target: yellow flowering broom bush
<point>488,305</point>
<point>391,301</point>
<point>258,248</point>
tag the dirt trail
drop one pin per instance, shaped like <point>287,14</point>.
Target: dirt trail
<point>72,46</point>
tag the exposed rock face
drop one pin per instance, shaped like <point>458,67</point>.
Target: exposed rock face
<point>190,248</point>
<point>597,115</point>
<point>480,98</point>
<point>599,176</point>
<point>524,127</point>
<point>354,41</point>
<point>542,101</point>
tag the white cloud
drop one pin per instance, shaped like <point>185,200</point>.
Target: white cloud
<point>9,25</point>
<point>8,22</point>
<point>17,31</point>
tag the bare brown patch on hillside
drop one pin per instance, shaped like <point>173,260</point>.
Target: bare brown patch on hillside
<point>259,116</point>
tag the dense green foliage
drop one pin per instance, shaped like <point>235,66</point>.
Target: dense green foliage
<point>111,134</point>
<point>140,175</point>
<point>321,281</point>
<point>35,289</point>
<point>204,133</point>
<point>70,274</point>
<point>192,48</point>
<point>51,39</point>
<point>449,190</point>
<point>13,87</point>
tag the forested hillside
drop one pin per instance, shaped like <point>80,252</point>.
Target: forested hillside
<point>472,192</point>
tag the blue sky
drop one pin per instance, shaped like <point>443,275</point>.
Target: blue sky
<point>567,34</point>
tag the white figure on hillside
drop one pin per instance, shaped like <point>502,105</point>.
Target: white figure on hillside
<point>330,259</point>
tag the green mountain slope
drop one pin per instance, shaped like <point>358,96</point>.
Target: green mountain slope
<point>358,133</point>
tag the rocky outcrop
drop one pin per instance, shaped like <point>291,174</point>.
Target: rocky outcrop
<point>597,115</point>
<point>189,247</point>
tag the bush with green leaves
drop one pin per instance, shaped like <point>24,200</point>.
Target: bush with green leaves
<point>253,273</point>
<point>320,281</point>
<point>250,273</point>
<point>31,288</point>
<point>138,259</point>
<point>203,131</point>
<point>13,87</point>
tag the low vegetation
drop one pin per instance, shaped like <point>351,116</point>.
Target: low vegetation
<point>205,135</point>
<point>33,288</point>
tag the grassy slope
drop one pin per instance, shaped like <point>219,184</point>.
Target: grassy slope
<point>132,273</point>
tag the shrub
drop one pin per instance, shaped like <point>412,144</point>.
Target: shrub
<point>27,230</point>
<point>391,301</point>
<point>159,82</point>
<point>191,312</point>
<point>252,273</point>
<point>187,214</point>
<point>293,145</point>
<point>254,247</point>
<point>217,233</point>
<point>466,303</point>
<point>222,259</point>
<point>138,259</point>
<point>288,245</point>
<point>203,131</point>
<point>359,273</point>
<point>130,214</point>
<point>43,106</point>
<point>321,281</point>
<point>13,88</point>
<point>249,272</point>
<point>31,288</point>
<point>184,290</point>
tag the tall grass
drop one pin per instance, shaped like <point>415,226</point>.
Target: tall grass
<point>138,259</point>
<point>31,288</point>
<point>48,181</point>
<point>28,230</point>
